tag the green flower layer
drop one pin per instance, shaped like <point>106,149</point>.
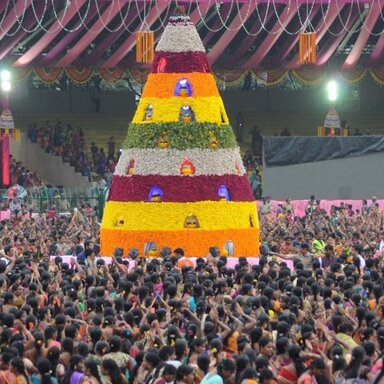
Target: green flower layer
<point>180,135</point>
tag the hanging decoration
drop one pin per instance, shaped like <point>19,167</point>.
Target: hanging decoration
<point>50,75</point>
<point>38,12</point>
<point>307,48</point>
<point>80,76</point>
<point>145,46</point>
<point>133,17</point>
<point>307,42</point>
<point>308,76</point>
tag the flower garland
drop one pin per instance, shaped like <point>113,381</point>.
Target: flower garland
<point>50,75</point>
<point>162,85</point>
<point>166,162</point>
<point>195,242</point>
<point>171,62</point>
<point>205,109</point>
<point>187,62</point>
<point>180,135</point>
<point>180,38</point>
<point>171,216</point>
<point>180,188</point>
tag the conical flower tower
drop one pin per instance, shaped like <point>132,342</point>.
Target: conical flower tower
<point>180,180</point>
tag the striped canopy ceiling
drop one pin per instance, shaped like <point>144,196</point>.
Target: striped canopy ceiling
<point>241,34</point>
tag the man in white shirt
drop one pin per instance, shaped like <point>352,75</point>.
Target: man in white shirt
<point>15,207</point>
<point>356,253</point>
<point>381,244</point>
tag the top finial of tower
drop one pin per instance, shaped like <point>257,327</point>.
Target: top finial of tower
<point>179,11</point>
<point>180,36</point>
<point>179,16</point>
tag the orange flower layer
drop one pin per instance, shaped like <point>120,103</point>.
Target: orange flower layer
<point>195,242</point>
<point>164,85</point>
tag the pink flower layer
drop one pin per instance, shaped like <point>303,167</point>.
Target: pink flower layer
<point>180,62</point>
<point>180,189</point>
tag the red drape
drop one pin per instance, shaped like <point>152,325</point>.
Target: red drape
<point>5,160</point>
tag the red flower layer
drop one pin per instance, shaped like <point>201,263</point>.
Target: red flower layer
<point>180,189</point>
<point>180,62</point>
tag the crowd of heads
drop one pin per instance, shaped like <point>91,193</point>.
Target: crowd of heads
<point>20,175</point>
<point>253,166</point>
<point>70,143</point>
<point>37,236</point>
<point>309,310</point>
<point>345,231</point>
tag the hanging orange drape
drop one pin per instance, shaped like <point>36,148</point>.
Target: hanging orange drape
<point>145,46</point>
<point>307,48</point>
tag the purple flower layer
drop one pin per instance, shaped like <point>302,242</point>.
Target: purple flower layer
<point>180,189</point>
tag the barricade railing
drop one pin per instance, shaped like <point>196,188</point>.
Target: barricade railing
<point>63,199</point>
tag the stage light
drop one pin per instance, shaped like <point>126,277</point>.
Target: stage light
<point>5,79</point>
<point>6,86</point>
<point>332,90</point>
<point>5,75</point>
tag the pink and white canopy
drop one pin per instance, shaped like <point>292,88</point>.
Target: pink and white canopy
<point>242,34</point>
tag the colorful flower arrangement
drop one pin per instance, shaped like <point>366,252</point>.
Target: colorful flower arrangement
<point>167,161</point>
<point>193,241</point>
<point>180,181</point>
<point>180,38</point>
<point>170,62</point>
<point>206,109</point>
<point>162,85</point>
<point>171,216</point>
<point>180,188</point>
<point>182,137</point>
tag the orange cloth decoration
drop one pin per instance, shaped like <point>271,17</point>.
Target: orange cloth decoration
<point>307,48</point>
<point>145,46</point>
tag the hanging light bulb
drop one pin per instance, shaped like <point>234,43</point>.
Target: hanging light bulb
<point>332,90</point>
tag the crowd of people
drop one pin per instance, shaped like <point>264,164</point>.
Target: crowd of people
<point>69,143</point>
<point>20,175</point>
<point>310,310</point>
<point>63,140</point>
<point>254,168</point>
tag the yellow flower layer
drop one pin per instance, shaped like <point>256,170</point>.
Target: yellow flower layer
<point>211,215</point>
<point>195,242</point>
<point>206,109</point>
<point>163,85</point>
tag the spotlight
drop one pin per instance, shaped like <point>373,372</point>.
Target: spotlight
<point>332,90</point>
<point>5,75</point>
<point>6,86</point>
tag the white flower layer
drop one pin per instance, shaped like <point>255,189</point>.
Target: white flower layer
<point>166,162</point>
<point>180,38</point>
<point>174,18</point>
